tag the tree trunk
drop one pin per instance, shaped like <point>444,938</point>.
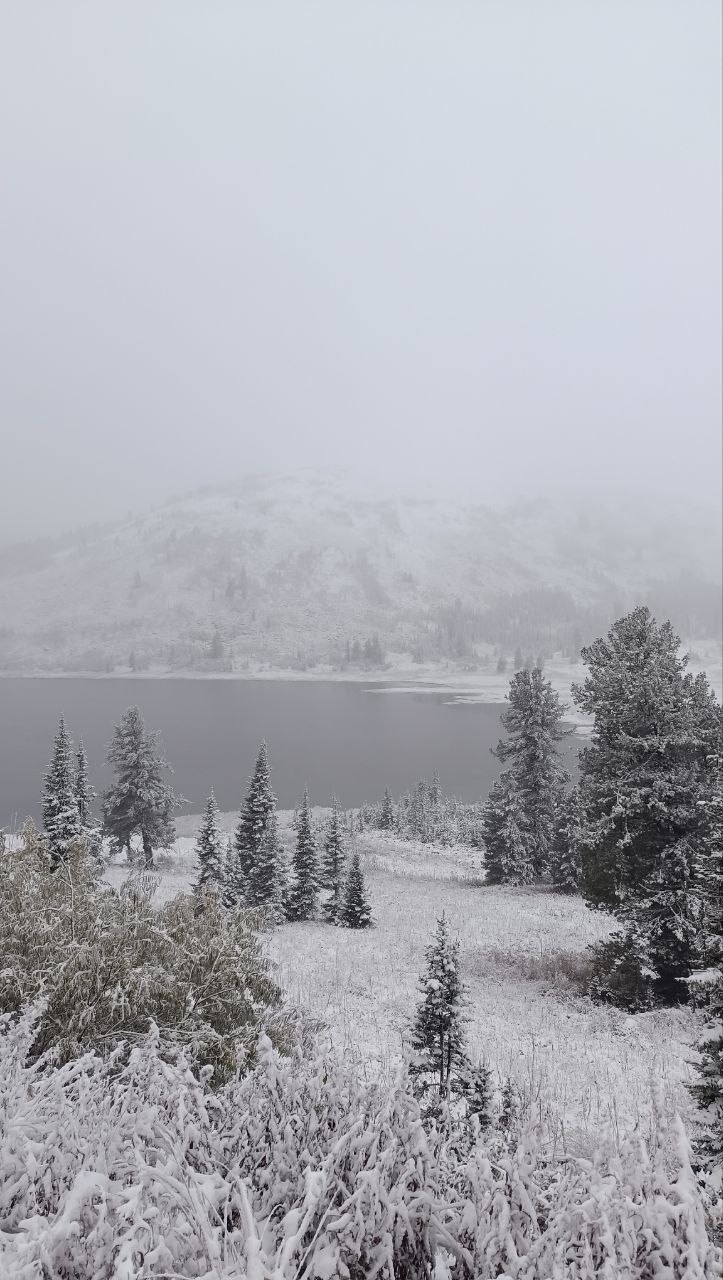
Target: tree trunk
<point>147,851</point>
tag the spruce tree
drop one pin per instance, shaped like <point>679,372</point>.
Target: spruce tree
<point>305,887</point>
<point>708,1089</point>
<point>258,806</point>
<point>508,859</point>
<point>210,850</point>
<point>440,1063</point>
<point>333,865</point>
<point>84,793</point>
<point>140,801</point>
<point>61,818</point>
<point>84,797</point>
<point>356,912</point>
<point>267,883</point>
<point>386,821</point>
<point>533,722</point>
<point>643,784</point>
<point>565,867</point>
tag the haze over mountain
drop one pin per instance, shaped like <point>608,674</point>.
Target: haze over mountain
<point>311,570</point>
<point>469,244</point>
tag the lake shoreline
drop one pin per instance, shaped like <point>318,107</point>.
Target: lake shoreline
<point>479,686</point>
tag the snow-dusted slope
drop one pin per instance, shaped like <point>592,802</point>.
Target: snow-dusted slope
<point>290,568</point>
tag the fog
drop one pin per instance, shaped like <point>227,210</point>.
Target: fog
<point>466,245</point>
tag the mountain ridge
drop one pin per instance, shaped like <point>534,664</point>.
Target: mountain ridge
<point>294,570</point>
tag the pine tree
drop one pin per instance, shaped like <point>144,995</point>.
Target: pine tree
<point>140,802</point>
<point>333,867</point>
<point>258,806</point>
<point>708,1089</point>
<point>438,1039</point>
<point>84,793</point>
<point>84,797</point>
<point>565,866</point>
<point>267,884</point>
<point>386,821</point>
<point>210,850</point>
<point>643,783</point>
<point>507,850</point>
<point>533,722</point>
<point>305,888</point>
<point>61,818</point>
<point>356,912</point>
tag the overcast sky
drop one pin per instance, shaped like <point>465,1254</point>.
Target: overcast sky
<point>475,244</point>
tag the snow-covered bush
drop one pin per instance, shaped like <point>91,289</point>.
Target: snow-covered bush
<point>620,1214</point>
<point>107,963</point>
<point>122,1167</point>
<point>114,1169</point>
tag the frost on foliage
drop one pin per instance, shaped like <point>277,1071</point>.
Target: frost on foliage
<point>707,983</point>
<point>533,722</point>
<point>127,1167</point>
<point>297,1169</point>
<point>304,890</point>
<point>61,816</point>
<point>107,963</point>
<point>140,802</point>
<point>210,850</point>
<point>267,886</point>
<point>440,1058</point>
<point>257,808</point>
<point>333,864</point>
<point>645,780</point>
<point>507,848</point>
<point>356,912</point>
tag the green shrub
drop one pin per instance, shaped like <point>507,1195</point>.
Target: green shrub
<point>106,963</point>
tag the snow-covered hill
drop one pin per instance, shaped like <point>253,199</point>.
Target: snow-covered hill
<point>288,571</point>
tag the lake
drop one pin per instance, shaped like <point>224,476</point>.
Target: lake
<point>343,738</point>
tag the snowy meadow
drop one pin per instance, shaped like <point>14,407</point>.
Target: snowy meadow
<point>582,1068</point>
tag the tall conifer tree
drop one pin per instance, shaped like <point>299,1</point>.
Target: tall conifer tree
<point>565,869</point>
<point>533,722</point>
<point>210,850</point>
<point>61,818</point>
<point>267,883</point>
<point>255,813</point>
<point>333,865</point>
<point>708,1089</point>
<point>356,912</point>
<point>85,796</point>
<point>387,813</point>
<point>643,785</point>
<point>438,1029</point>
<point>305,888</point>
<point>84,793</point>
<point>140,801</point>
<point>508,859</point>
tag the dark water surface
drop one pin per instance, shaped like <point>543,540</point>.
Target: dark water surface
<point>344,738</point>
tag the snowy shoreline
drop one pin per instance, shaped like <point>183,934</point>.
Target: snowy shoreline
<point>471,684</point>
<point>480,686</point>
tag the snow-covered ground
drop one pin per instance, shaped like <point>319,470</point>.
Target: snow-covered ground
<point>580,1066</point>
